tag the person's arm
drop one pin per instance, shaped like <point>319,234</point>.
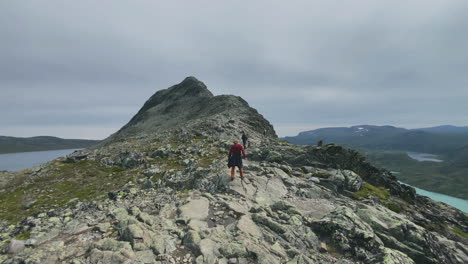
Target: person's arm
<point>230,152</point>
<point>243,151</point>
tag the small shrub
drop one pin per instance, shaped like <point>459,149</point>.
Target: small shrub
<point>369,189</point>
<point>394,206</point>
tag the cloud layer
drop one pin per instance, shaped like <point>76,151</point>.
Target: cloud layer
<point>83,68</point>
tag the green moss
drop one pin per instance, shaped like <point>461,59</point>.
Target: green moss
<point>183,193</point>
<point>85,180</point>
<point>11,209</point>
<point>459,232</point>
<point>436,227</point>
<point>372,190</point>
<point>279,140</point>
<point>24,236</point>
<point>394,206</point>
<point>198,139</point>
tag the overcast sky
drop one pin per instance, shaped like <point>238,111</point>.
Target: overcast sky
<point>82,69</point>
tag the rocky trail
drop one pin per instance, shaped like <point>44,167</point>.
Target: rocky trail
<point>166,197</point>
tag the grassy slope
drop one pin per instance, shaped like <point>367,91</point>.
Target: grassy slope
<point>86,180</point>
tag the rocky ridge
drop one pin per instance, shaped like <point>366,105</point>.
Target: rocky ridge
<point>165,197</point>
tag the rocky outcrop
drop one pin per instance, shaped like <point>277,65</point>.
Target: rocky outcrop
<point>191,104</point>
<point>166,197</point>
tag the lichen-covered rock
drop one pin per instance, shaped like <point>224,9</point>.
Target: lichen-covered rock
<point>390,256</point>
<point>97,256</point>
<point>349,233</point>
<point>15,246</point>
<point>397,232</point>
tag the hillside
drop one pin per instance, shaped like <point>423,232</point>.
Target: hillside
<point>17,144</point>
<point>437,140</point>
<point>158,191</point>
<point>445,129</point>
<point>386,146</point>
<point>448,177</point>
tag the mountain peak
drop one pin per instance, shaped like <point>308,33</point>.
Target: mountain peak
<point>190,104</point>
<point>190,86</point>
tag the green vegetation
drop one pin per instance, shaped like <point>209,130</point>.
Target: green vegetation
<point>459,232</point>
<point>369,189</point>
<point>23,236</point>
<point>85,180</point>
<point>394,204</point>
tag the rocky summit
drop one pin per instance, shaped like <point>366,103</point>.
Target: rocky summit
<point>158,191</point>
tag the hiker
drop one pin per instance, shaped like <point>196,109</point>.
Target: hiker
<point>244,139</point>
<point>319,143</point>
<point>264,132</point>
<point>235,159</point>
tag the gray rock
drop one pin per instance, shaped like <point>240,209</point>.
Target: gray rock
<point>233,250</point>
<point>246,225</point>
<point>210,250</point>
<point>392,257</point>
<point>350,233</point>
<point>16,246</point>
<point>268,222</point>
<point>103,227</point>
<point>145,256</point>
<point>97,256</point>
<point>195,209</point>
<point>109,244</point>
<point>192,241</point>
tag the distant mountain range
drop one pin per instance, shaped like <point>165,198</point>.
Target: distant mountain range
<point>386,146</point>
<point>440,139</point>
<point>18,144</point>
<point>445,129</point>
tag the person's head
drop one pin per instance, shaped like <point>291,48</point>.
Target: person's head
<point>236,142</point>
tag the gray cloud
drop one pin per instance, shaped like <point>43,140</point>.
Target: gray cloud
<point>90,65</point>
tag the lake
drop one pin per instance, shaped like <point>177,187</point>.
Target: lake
<point>453,201</point>
<point>24,160</point>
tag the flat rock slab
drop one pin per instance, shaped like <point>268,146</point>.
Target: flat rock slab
<point>240,208</point>
<point>196,209</point>
<point>261,189</point>
<point>248,226</point>
<point>314,208</point>
<point>269,190</point>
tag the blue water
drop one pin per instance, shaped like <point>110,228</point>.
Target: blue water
<point>453,201</point>
<point>25,160</point>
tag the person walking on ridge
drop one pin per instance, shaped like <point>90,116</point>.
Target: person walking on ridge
<point>244,139</point>
<point>235,159</point>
